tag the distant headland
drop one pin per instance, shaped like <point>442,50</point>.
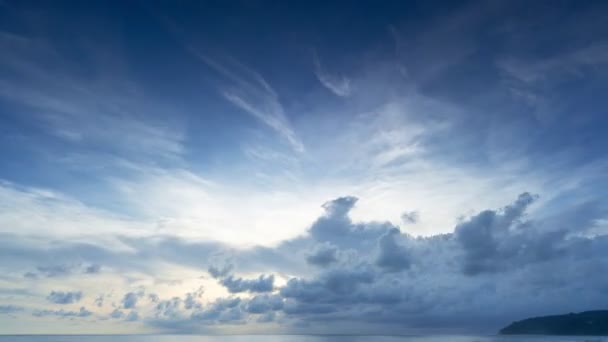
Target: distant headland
<point>589,323</point>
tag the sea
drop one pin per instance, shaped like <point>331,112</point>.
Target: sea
<point>294,338</point>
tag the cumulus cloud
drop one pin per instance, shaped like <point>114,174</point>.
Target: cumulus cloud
<point>129,301</point>
<point>60,297</point>
<point>373,273</point>
<point>392,256</point>
<point>117,313</point>
<point>427,281</point>
<point>166,309</point>
<point>487,238</point>
<point>236,285</point>
<point>323,255</point>
<point>192,300</point>
<point>223,310</point>
<point>132,316</point>
<point>336,227</point>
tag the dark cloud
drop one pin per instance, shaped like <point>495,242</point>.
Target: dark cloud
<point>192,300</point>
<point>60,297</point>
<point>329,286</point>
<point>223,310</point>
<point>392,257</point>
<point>324,255</point>
<point>335,227</point>
<point>410,217</point>
<point>495,240</point>
<point>168,308</point>
<point>220,272</point>
<point>129,301</point>
<point>236,285</point>
<point>93,269</point>
<point>267,317</point>
<point>335,223</point>
<point>264,303</point>
<point>55,270</point>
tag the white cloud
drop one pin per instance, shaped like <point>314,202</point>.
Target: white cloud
<point>339,85</point>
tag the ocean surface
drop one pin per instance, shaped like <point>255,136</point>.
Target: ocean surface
<point>296,338</point>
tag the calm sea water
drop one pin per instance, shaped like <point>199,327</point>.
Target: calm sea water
<point>299,338</point>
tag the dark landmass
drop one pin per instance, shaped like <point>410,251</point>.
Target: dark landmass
<point>589,323</point>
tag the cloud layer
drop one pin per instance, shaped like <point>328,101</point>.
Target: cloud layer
<point>369,274</point>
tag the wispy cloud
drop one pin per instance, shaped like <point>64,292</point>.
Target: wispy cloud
<point>337,84</point>
<point>107,112</point>
<point>250,92</point>
<point>569,63</point>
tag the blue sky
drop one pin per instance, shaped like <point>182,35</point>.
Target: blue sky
<point>221,167</point>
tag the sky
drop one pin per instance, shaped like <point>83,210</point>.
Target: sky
<point>365,167</point>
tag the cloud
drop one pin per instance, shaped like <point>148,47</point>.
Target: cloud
<point>570,63</point>
<point>153,297</point>
<point>105,112</point>
<point>324,255</point>
<point>336,227</point>
<point>168,308</point>
<point>60,297</point>
<point>335,224</point>
<point>485,236</point>
<point>219,272</point>
<point>438,134</point>
<point>410,217</point>
<point>82,312</point>
<point>62,270</point>
<point>264,303</point>
<point>99,300</point>
<point>250,92</point>
<point>129,301</point>
<point>30,275</point>
<point>192,299</point>
<point>372,273</point>
<point>117,313</point>
<point>392,256</point>
<point>236,285</point>
<point>132,316</point>
<point>222,310</point>
<point>10,309</point>
<point>339,85</point>
<point>55,271</point>
<point>93,269</point>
